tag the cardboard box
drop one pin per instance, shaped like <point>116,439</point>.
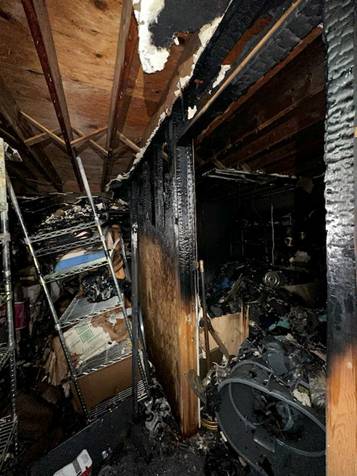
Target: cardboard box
<point>104,383</point>
<point>233,329</point>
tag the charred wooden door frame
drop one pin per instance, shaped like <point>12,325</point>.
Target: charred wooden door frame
<point>340,21</point>
<point>163,205</point>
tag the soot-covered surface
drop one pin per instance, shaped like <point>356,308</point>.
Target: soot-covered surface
<point>184,16</point>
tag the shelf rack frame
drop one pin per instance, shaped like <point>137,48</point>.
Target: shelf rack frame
<point>8,424</point>
<point>74,372</point>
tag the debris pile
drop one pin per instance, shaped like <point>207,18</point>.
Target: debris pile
<point>269,400</point>
<point>269,293</point>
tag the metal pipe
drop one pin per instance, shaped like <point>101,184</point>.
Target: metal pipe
<point>205,317</point>
<point>6,262</point>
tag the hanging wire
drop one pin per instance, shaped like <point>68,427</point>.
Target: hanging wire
<point>272,234</point>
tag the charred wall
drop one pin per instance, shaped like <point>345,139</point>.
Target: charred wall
<point>340,158</point>
<point>162,203</point>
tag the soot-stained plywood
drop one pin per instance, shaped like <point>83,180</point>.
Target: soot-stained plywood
<point>170,327</point>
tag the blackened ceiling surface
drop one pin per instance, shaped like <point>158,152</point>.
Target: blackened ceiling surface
<point>280,128</point>
<point>184,16</point>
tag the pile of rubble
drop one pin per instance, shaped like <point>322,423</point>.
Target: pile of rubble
<point>269,400</point>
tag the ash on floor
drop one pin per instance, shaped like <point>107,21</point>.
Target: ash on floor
<point>203,454</point>
<point>153,447</point>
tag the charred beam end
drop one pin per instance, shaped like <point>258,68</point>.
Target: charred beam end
<point>39,24</point>
<point>340,194</point>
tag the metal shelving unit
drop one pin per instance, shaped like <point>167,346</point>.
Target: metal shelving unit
<point>111,403</point>
<point>82,268</point>
<point>91,241</point>
<point>4,354</point>
<point>8,427</point>
<point>80,308</point>
<point>8,424</point>
<point>65,231</point>
<point>115,353</point>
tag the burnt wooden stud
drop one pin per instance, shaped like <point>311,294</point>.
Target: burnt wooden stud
<point>340,194</point>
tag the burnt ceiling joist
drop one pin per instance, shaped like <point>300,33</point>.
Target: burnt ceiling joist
<point>274,115</point>
<point>38,20</point>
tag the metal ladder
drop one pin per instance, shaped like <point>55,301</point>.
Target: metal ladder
<point>80,310</point>
<point>8,424</point>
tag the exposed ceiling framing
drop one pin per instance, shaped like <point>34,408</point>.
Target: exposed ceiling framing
<point>208,101</point>
<point>107,109</point>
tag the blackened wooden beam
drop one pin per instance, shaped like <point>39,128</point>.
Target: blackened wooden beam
<point>256,87</point>
<point>308,112</point>
<point>39,24</point>
<point>290,27</point>
<point>127,42</point>
<point>340,22</point>
<point>237,70</point>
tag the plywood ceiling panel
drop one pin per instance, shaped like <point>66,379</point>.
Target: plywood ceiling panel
<point>85,35</point>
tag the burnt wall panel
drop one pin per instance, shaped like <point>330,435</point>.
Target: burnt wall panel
<point>163,202</point>
<point>340,157</point>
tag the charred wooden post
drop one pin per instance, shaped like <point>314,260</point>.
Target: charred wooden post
<point>162,202</point>
<point>340,194</point>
